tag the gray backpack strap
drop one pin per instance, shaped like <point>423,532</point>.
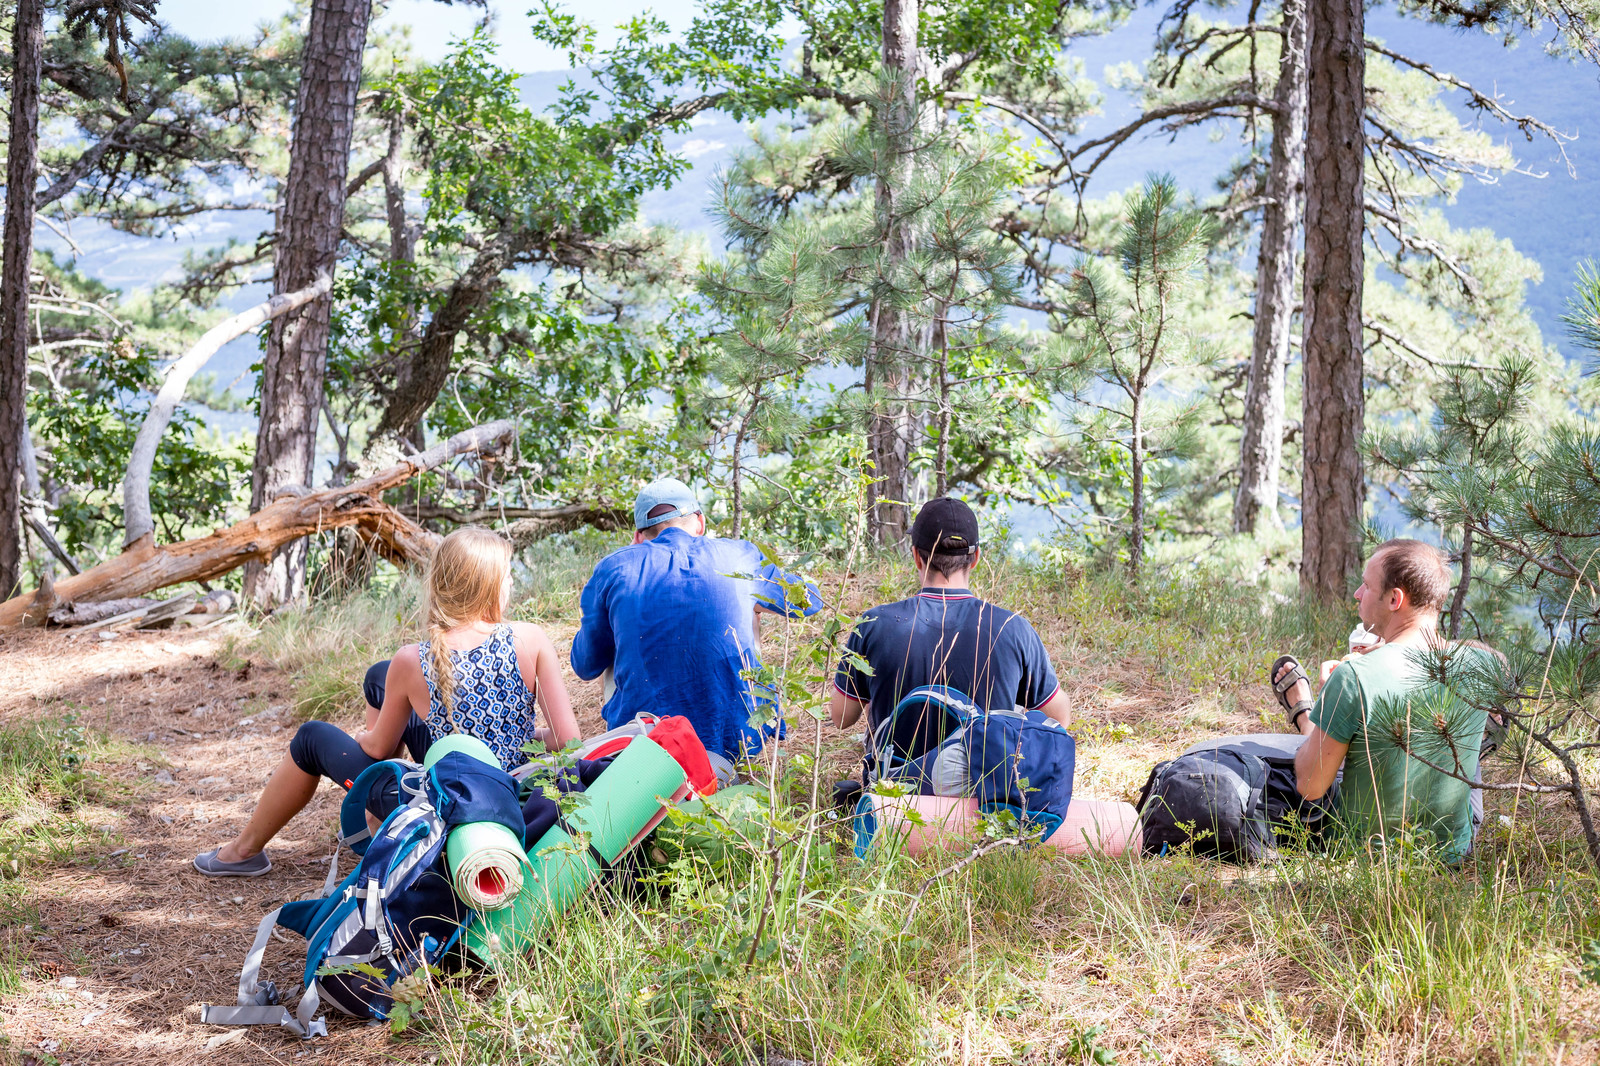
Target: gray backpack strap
<point>255,1006</point>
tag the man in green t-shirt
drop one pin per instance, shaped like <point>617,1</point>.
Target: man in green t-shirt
<point>1375,706</point>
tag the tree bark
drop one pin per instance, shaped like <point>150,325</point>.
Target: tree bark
<point>1136,511</point>
<point>144,567</point>
<point>1261,445</point>
<point>426,372</point>
<point>1458,603</point>
<point>136,516</point>
<point>1332,491</point>
<point>889,433</point>
<point>22,172</point>
<point>307,247</point>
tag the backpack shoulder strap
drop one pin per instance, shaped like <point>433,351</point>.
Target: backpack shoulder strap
<point>258,1003</point>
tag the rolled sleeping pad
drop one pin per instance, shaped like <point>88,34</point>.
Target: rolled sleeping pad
<point>486,864</point>
<point>1103,827</point>
<point>742,806</point>
<point>466,745</point>
<point>622,808</point>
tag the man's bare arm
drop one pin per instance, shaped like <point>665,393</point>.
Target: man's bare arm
<point>1058,707</point>
<point>844,711</point>
<point>1317,762</point>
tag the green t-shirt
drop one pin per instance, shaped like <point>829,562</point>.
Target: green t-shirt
<point>1367,702</point>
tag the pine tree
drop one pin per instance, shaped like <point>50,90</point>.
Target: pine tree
<point>794,301</point>
<point>1129,340</point>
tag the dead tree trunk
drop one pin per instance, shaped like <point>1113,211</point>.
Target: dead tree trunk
<point>22,171</point>
<point>1331,485</point>
<point>1261,445</point>
<point>307,248</point>
<point>137,518</point>
<point>888,361</point>
<point>291,517</point>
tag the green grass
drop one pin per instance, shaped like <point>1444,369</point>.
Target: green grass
<point>801,952</point>
<point>50,774</point>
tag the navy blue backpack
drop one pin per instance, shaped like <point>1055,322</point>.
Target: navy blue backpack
<point>1013,760</point>
<point>395,913</point>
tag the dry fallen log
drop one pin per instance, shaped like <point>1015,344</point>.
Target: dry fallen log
<point>144,567</point>
<point>217,601</point>
<point>147,617</point>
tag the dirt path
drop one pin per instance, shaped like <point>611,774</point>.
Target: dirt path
<point>130,938</point>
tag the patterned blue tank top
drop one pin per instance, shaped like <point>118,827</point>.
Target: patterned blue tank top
<point>491,702</point>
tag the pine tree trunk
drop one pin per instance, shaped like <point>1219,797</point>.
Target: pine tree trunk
<point>1331,485</point>
<point>1261,446</point>
<point>1458,603</point>
<point>889,435</point>
<point>22,171</point>
<point>307,245</point>
<point>1136,511</point>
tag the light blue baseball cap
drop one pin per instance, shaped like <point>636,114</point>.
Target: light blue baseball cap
<point>667,490</point>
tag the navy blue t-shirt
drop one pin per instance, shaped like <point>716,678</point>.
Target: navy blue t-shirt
<point>944,636</point>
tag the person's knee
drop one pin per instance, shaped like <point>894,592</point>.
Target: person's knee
<point>309,743</point>
<point>375,683</point>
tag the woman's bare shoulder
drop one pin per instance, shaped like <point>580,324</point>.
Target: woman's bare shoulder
<point>409,655</point>
<point>527,631</point>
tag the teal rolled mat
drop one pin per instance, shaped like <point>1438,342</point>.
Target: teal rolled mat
<point>486,863</point>
<point>621,803</point>
<point>466,745</point>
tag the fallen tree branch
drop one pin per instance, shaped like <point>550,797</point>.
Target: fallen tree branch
<point>144,567</point>
<point>136,482</point>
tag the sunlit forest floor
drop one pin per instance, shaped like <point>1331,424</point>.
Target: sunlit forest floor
<point>121,759</point>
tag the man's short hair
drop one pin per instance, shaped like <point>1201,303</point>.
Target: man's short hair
<point>1416,568</point>
<point>947,564</point>
<point>684,521</point>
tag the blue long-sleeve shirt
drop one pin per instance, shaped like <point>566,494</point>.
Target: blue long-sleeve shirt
<point>673,619</point>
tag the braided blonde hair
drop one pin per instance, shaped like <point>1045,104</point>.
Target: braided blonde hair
<point>465,576</point>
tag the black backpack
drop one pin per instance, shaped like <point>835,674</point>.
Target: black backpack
<point>1233,798</point>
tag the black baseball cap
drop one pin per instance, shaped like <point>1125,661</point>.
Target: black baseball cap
<point>945,526</point>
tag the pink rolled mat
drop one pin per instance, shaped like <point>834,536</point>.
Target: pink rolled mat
<point>1091,826</point>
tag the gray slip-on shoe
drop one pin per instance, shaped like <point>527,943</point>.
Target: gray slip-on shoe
<point>211,866</point>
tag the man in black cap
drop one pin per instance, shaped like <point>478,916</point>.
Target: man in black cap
<point>944,635</point>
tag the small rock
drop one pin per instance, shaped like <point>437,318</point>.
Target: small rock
<point>69,982</point>
<point>91,1017</point>
<point>106,634</point>
<point>164,819</point>
<point>238,899</point>
<point>207,782</point>
<point>164,777</point>
<point>201,816</point>
<point>170,648</point>
<point>247,721</point>
<point>119,852</point>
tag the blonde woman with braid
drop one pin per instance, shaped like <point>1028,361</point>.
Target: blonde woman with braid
<point>476,674</point>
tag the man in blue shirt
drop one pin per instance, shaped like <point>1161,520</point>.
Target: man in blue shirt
<point>944,635</point>
<point>673,617</point>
